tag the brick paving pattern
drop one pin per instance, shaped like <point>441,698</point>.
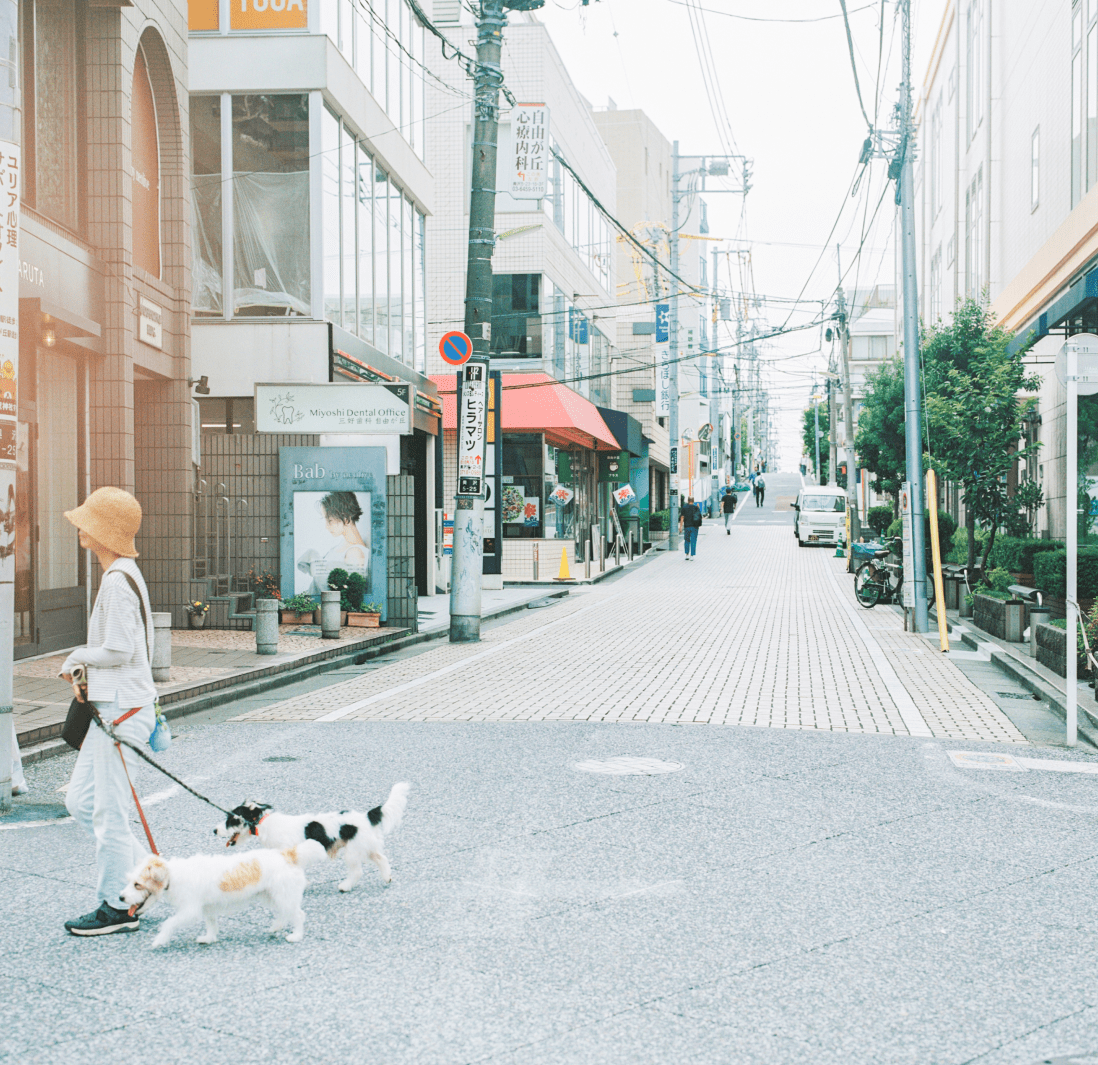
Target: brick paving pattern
<point>751,633</point>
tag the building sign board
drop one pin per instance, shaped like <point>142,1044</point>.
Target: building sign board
<point>150,323</point>
<point>10,183</point>
<point>268,14</point>
<point>530,138</point>
<point>663,358</point>
<point>334,408</point>
<point>907,590</point>
<point>472,426</point>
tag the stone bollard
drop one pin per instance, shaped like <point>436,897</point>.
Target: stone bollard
<point>266,626</point>
<point>1038,615</point>
<point>329,615</point>
<point>162,647</point>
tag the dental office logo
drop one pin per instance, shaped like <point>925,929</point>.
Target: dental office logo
<point>283,411</point>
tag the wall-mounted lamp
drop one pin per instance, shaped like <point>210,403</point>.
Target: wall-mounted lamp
<point>49,338</point>
<point>201,386</point>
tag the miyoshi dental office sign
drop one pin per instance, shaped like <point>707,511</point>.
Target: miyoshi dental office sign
<point>333,408</point>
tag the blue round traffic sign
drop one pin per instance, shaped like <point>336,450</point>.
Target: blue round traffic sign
<point>455,348</point>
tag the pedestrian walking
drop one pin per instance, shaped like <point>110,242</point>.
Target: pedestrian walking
<point>120,686</point>
<point>760,490</point>
<point>728,507</point>
<point>690,520</point>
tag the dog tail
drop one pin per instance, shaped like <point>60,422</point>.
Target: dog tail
<point>306,853</point>
<point>389,816</point>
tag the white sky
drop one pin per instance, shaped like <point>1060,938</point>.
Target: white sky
<point>789,94</point>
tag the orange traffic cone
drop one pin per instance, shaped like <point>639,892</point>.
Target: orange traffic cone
<point>564,575</point>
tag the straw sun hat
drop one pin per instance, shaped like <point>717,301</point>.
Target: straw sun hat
<point>111,516</point>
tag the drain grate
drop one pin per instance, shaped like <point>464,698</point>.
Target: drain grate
<point>625,766</point>
<point>280,758</point>
<point>1016,695</point>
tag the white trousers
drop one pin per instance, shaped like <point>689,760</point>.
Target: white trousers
<point>99,798</point>
<point>18,781</point>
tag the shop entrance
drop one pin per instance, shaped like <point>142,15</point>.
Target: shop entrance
<point>50,595</point>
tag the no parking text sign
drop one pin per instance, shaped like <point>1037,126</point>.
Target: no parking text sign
<point>455,348</point>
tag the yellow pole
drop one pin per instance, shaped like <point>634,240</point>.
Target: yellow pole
<point>936,554</point>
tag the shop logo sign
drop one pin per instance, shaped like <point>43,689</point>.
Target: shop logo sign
<point>283,411</point>
<point>269,15</point>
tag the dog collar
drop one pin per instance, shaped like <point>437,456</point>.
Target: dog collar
<point>255,827</point>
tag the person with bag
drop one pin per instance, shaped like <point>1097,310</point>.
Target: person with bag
<point>690,519</point>
<point>120,687</point>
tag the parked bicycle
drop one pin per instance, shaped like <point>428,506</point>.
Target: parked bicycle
<point>881,579</point>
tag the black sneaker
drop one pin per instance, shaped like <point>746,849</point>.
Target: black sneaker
<point>104,921</point>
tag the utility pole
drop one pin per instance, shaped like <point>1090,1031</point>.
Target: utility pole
<point>848,419</point>
<point>468,560</point>
<point>816,402</point>
<point>833,450</point>
<point>673,358</point>
<point>913,435</point>
<point>10,139</point>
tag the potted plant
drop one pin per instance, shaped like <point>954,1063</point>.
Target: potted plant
<point>196,613</point>
<point>351,588</point>
<point>369,617</point>
<point>298,609</point>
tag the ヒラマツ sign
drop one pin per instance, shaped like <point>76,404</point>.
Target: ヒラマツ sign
<point>472,422</point>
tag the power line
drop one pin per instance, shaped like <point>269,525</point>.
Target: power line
<point>853,64</point>
<point>753,18</point>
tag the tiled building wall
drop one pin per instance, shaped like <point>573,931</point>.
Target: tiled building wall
<point>403,597</point>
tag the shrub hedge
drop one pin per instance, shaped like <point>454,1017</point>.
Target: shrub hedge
<point>1050,573</point>
<point>1016,554</point>
<point>659,520</point>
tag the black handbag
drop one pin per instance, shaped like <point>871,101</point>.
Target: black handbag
<point>79,717</point>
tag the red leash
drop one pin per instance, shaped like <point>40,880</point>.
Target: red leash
<point>133,790</point>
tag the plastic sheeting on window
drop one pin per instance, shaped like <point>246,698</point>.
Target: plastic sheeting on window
<point>271,247</point>
<point>206,273</point>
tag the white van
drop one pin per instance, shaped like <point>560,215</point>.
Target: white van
<point>821,515</point>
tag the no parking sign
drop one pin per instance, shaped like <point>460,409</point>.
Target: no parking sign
<point>455,348</point>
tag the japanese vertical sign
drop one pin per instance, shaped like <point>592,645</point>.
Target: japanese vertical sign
<point>663,360</point>
<point>530,126</point>
<point>9,355</point>
<point>472,421</point>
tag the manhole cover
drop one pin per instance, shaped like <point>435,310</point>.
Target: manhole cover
<point>280,758</point>
<point>625,766</point>
<point>978,760</point>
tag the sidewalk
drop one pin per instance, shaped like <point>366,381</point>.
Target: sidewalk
<point>220,662</point>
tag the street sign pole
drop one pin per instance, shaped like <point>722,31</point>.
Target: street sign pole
<point>468,559</point>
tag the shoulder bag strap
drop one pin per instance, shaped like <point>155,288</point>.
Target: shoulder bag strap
<point>141,604</point>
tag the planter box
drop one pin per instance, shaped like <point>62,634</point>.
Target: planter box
<point>364,621</point>
<point>1051,647</point>
<point>290,617</point>
<point>1058,606</point>
<point>659,535</point>
<point>989,614</point>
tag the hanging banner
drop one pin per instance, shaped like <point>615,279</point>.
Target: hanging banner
<point>530,138</point>
<point>663,367</point>
<point>9,359</point>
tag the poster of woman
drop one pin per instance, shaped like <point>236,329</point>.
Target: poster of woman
<point>331,531</point>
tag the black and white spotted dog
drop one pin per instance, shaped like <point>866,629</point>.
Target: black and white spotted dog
<point>353,835</point>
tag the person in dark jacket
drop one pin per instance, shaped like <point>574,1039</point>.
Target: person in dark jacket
<point>690,520</point>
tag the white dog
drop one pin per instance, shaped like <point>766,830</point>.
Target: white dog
<point>209,886</point>
<point>356,835</point>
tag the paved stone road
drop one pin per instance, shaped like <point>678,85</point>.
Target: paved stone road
<point>755,631</point>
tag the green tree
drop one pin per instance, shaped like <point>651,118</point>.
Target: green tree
<point>809,440</point>
<point>974,414</point>
<point>880,437</point>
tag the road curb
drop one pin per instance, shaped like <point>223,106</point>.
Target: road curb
<point>270,678</point>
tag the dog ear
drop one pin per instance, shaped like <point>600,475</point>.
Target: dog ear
<point>156,874</point>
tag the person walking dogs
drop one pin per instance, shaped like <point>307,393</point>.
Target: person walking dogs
<point>690,519</point>
<point>760,490</point>
<point>120,685</point>
<point>728,507</point>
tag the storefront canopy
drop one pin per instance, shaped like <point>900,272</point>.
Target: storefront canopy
<point>535,403</point>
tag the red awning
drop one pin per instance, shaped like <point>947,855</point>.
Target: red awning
<point>535,403</point>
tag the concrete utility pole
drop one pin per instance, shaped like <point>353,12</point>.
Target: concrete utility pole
<point>848,420</point>
<point>673,358</point>
<point>816,403</point>
<point>833,449</point>
<point>913,434</point>
<point>10,129</point>
<point>468,561</point>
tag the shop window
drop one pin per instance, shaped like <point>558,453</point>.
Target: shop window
<point>347,179</point>
<point>146,171</point>
<point>381,259</point>
<point>329,210</point>
<point>396,274</point>
<point>58,445</point>
<point>53,68</point>
<point>271,261</point>
<point>523,459</point>
<point>364,182</point>
<point>206,276</point>
<point>516,322</point>
<point>419,270</point>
